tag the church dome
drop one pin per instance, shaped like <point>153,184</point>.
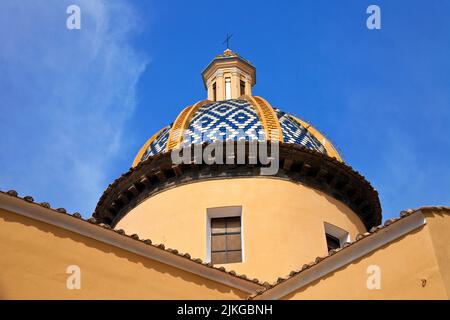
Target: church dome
<point>244,118</point>
<point>307,167</point>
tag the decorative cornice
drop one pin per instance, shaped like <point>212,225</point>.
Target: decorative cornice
<point>297,164</point>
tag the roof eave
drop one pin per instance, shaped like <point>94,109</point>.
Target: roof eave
<point>106,235</point>
<point>352,252</point>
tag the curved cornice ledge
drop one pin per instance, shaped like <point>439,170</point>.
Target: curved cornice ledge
<point>297,164</point>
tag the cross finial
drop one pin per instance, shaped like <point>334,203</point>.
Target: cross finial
<point>227,40</point>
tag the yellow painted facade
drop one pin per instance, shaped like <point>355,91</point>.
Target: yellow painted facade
<point>35,257</point>
<point>150,235</point>
<point>283,221</point>
<point>413,267</point>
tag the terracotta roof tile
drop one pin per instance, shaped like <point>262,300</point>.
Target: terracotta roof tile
<point>12,193</point>
<point>266,285</point>
<point>92,220</point>
<point>359,236</point>
<point>45,205</point>
<point>77,215</point>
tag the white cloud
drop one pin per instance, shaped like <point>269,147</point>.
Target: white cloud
<point>65,97</point>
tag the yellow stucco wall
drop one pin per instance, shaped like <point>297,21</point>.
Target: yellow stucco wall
<point>35,255</point>
<point>412,267</point>
<point>438,224</point>
<point>283,222</point>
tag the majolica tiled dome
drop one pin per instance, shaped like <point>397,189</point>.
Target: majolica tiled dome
<point>231,112</point>
<point>234,119</point>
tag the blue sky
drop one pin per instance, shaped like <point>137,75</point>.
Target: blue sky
<point>76,105</point>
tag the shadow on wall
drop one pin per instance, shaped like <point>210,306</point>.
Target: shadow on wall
<point>107,270</point>
<point>331,286</point>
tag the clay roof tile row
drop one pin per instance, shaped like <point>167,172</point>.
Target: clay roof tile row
<point>136,237</point>
<point>359,237</point>
<point>266,285</point>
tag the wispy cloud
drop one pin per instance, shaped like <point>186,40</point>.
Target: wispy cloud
<point>65,97</point>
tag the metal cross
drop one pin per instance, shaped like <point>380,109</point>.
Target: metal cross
<point>227,40</point>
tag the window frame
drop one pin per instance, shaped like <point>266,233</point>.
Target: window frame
<point>336,232</point>
<point>223,212</point>
<point>242,87</point>
<point>214,89</point>
<point>228,93</point>
<point>226,240</point>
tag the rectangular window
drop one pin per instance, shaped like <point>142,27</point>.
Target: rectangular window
<point>242,86</point>
<point>335,236</point>
<point>226,243</point>
<point>227,88</point>
<point>332,242</point>
<point>214,92</point>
